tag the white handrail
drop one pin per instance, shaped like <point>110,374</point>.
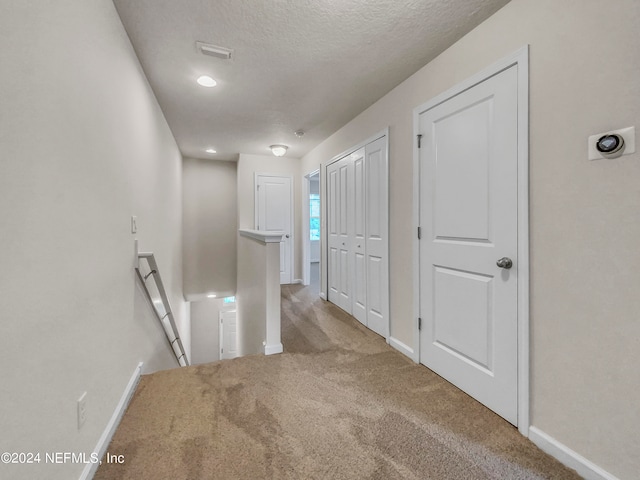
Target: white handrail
<point>161,306</point>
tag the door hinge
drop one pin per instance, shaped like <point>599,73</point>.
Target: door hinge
<point>419,323</point>
<point>419,233</point>
<point>419,140</point>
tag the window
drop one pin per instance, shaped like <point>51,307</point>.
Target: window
<point>314,216</point>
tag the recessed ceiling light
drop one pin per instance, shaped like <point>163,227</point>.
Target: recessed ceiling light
<point>206,81</point>
<point>211,295</point>
<point>210,150</point>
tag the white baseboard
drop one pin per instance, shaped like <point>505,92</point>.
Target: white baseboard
<point>273,349</point>
<point>323,296</point>
<point>568,457</point>
<point>401,347</point>
<point>105,439</point>
<point>298,280</point>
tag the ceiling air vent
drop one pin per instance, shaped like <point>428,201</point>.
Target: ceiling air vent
<point>214,50</point>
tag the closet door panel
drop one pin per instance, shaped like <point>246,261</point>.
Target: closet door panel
<point>340,206</point>
<point>333,186</point>
<point>359,236</point>
<point>377,265</point>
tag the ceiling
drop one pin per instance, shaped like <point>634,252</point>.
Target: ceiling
<point>296,64</point>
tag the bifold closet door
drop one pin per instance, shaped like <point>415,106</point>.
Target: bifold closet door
<point>377,236</point>
<point>358,214</point>
<point>358,240</point>
<point>340,226</point>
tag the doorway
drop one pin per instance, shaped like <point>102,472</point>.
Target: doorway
<point>228,333</point>
<point>312,227</point>
<point>274,212</point>
<point>471,213</point>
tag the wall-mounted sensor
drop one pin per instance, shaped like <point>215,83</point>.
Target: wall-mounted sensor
<point>612,144</point>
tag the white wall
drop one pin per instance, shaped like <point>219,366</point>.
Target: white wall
<point>583,215</point>
<point>248,166</point>
<point>251,296</point>
<point>84,146</point>
<point>209,227</point>
<point>205,330</point>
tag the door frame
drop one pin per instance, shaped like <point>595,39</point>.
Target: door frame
<point>306,240</point>
<point>520,59</point>
<point>324,235</point>
<point>291,216</point>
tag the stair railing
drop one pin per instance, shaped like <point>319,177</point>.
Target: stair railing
<point>160,303</point>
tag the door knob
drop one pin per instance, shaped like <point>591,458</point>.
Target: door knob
<point>505,262</point>
<point>287,235</point>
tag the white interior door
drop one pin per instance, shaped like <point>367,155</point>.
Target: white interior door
<point>358,237</point>
<point>468,215</point>
<point>340,205</point>
<point>274,209</point>
<point>377,241</point>
<point>358,234</point>
<point>228,334</point>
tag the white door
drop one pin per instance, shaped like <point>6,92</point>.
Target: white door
<point>274,205</point>
<point>228,334</point>
<point>468,216</point>
<point>340,206</point>
<point>358,240</point>
<point>358,245</point>
<point>376,241</point>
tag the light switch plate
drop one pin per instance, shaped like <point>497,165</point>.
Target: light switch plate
<point>134,224</point>
<point>628,134</point>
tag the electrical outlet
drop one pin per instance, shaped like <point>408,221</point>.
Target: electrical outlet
<point>82,410</point>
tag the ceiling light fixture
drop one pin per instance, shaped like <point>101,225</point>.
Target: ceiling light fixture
<point>211,295</point>
<point>210,150</point>
<point>206,81</point>
<point>278,150</point>
<point>299,133</point>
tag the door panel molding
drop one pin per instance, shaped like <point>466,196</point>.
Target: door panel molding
<point>519,59</point>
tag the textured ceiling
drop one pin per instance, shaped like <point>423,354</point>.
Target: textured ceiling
<point>297,64</point>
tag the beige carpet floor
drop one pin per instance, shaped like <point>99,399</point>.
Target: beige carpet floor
<point>338,404</point>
